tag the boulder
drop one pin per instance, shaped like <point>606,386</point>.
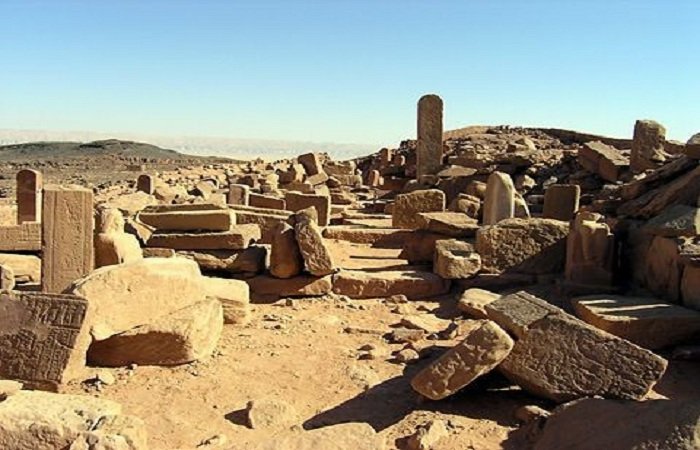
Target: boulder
<point>473,301</point>
<point>270,413</point>
<point>453,224</point>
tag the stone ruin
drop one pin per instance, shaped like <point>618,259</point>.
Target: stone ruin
<point>573,262</point>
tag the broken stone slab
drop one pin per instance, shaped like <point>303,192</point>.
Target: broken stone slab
<point>47,421</point>
<point>43,337</point>
<point>197,220</point>
<point>238,237</point>
<point>250,260</point>
<point>355,436</point>
<point>234,296</point>
<point>407,206</point>
<point>128,295</point>
<point>676,220</point>
<point>647,146</point>
<point>604,160</point>
<point>561,201</point>
<point>299,286</point>
<point>534,246</point>
<point>27,268</point>
<point>421,247</point>
<point>484,347</point>
<point>317,257</point>
<point>378,237</point>
<point>131,204</point>
<point>186,335</point>
<point>648,322</point>
<point>473,301</point>
<point>455,259</point>
<point>426,322</point>
<point>452,224</point>
<point>653,424</point>
<point>286,260</point>
<point>562,358</point>
<point>267,222</point>
<point>412,283</point>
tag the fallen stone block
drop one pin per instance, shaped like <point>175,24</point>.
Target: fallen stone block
<point>412,283</point>
<point>407,207</point>
<point>198,220</point>
<point>270,413</point>
<point>286,260</point>
<point>648,322</point>
<point>534,246</point>
<point>484,346</point>
<point>317,257</point>
<point>299,286</point>
<point>234,296</point>
<point>43,337</point>
<point>186,335</point>
<point>297,201</point>
<point>419,247</point>
<point>237,238</point>
<point>21,238</point>
<point>355,436</point>
<point>561,201</point>
<point>663,268</point>
<point>604,160</point>
<point>516,312</point>
<point>128,295</point>
<point>674,221</point>
<point>473,302</point>
<point>266,201</point>
<point>455,260</point>
<point>454,224</point>
<point>27,268</point>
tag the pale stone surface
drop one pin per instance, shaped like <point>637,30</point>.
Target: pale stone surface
<point>590,424</point>
<point>296,201</point>
<point>21,238</point>
<point>355,436</point>
<point>43,337</point>
<point>234,296</point>
<point>27,268</point>
<point>467,204</point>
<point>266,201</point>
<point>472,302</point>
<point>484,346</point>
<point>30,184</point>
<point>648,322</point>
<point>7,278</point>
<point>412,283</point>
<point>407,207</point>
<point>128,295</point>
<point>534,246</point>
<point>67,244</point>
<point>499,199</point>
<point>453,224</point>
<point>299,286</point>
<point>186,335</point>
<point>562,358</point>
<point>203,220</point>
<point>427,436</point>
<point>455,260</point>
<point>317,257</point>
<point>237,238</point>
<point>590,251</point>
<point>112,244</point>
<point>604,160</point>
<point>676,220</point>
<point>647,146</point>
<point>561,201</point>
<point>238,194</point>
<point>285,257</point>
<point>517,311</point>
<point>429,143</point>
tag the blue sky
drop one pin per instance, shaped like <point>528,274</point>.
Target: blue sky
<point>346,71</point>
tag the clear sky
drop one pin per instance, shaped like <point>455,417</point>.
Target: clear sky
<point>346,71</point>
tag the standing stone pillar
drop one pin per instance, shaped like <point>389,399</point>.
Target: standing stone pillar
<point>429,145</point>
<point>146,183</point>
<point>373,178</point>
<point>647,146</point>
<point>499,199</point>
<point>590,251</point>
<point>67,237</point>
<point>561,201</point>
<point>385,156</point>
<point>238,194</point>
<point>29,189</point>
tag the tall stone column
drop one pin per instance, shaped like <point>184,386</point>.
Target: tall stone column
<point>429,145</point>
<point>29,188</point>
<point>67,241</point>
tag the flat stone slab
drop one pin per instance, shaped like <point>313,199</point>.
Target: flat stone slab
<point>299,286</point>
<point>648,322</point>
<point>412,283</point>
<point>454,224</point>
<point>249,260</point>
<point>237,238</point>
<point>516,312</point>
<point>204,220</point>
<point>43,337</point>
<point>484,346</point>
<point>21,238</point>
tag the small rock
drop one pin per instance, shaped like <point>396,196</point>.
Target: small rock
<point>427,435</point>
<point>268,413</point>
<point>407,355</point>
<point>531,413</point>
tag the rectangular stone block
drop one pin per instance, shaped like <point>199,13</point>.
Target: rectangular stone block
<point>239,237</point>
<point>20,238</point>
<point>206,220</point>
<point>30,186</point>
<point>266,201</point>
<point>297,201</point>
<point>67,242</point>
<point>238,194</point>
<point>43,337</point>
<point>604,160</point>
<point>407,206</point>
<point>517,311</point>
<point>561,201</point>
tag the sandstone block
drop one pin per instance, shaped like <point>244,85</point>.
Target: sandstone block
<point>604,160</point>
<point>473,301</point>
<point>285,258</point>
<point>317,257</point>
<point>237,238</point>
<point>234,296</point>
<point>299,286</point>
<point>675,220</point>
<point>266,201</point>
<point>30,184</point>
<point>647,146</point>
<point>407,207</point>
<point>250,260</point>
<point>238,194</point>
<point>297,201</point>
<point>412,283</point>
<point>561,201</point>
<point>452,224</point>
<point>202,220</point>
<point>499,198</point>
<point>21,238</point>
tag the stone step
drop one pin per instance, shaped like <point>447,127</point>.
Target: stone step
<point>413,284</point>
<point>239,237</point>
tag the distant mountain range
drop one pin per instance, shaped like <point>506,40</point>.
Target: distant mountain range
<point>201,146</point>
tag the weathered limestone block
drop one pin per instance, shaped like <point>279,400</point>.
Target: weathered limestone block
<point>429,143</point>
<point>411,283</point>
<point>455,259</point>
<point>562,358</point>
<point>453,224</point>
<point>561,201</point>
<point>407,207</point>
<point>419,246</point>
<point>604,160</point>
<point>234,296</point>
<point>473,301</point>
<point>590,251</point>
<point>21,238</point>
<point>128,295</point>
<point>533,246</point>
<point>296,202</point>
<point>67,243</point>
<point>7,278</point>
<point>27,268</point>
<point>286,260</point>
<point>196,220</point>
<point>45,421</point>
<point>664,268</point>
<point>250,260</point>
<point>146,183</point>
<point>589,424</point>
<point>499,198</point>
<point>43,337</point>
<point>112,244</point>
<point>485,345</point>
<point>239,237</point>
<point>647,146</point>
<point>266,201</point>
<point>675,220</point>
<point>311,163</point>
<point>317,257</point>
<point>238,194</point>
<point>647,322</point>
<point>30,184</point>
<point>299,286</point>
<point>186,335</point>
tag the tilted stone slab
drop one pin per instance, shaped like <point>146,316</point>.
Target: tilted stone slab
<point>516,312</point>
<point>249,260</point>
<point>317,257</point>
<point>563,358</point>
<point>21,238</point>
<point>484,346</point>
<point>43,337</point>
<point>237,238</point>
<point>205,220</point>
